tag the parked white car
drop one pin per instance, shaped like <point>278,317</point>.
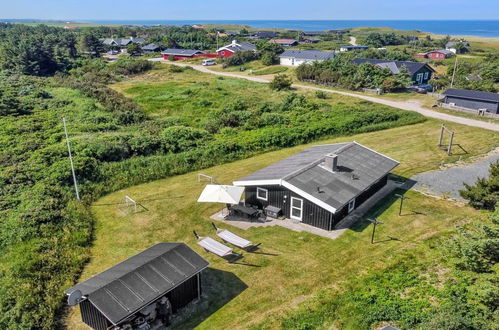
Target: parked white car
<point>209,62</point>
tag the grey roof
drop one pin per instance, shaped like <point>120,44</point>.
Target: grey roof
<point>443,51</point>
<point>131,285</point>
<point>181,52</point>
<point>450,44</point>
<point>471,94</point>
<point>151,46</point>
<point>354,47</point>
<point>358,168</point>
<point>390,66</point>
<point>314,33</point>
<point>411,66</point>
<point>239,46</point>
<point>265,34</point>
<point>308,54</point>
<point>122,41</point>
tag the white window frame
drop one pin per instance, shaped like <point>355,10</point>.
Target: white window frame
<point>426,75</point>
<point>418,79</point>
<point>351,205</point>
<point>258,190</point>
<point>297,208</point>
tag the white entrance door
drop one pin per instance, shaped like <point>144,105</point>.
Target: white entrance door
<point>296,208</point>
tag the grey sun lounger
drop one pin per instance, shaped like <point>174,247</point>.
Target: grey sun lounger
<point>230,237</point>
<point>217,248</point>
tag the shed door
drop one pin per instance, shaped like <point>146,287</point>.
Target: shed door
<point>296,211</point>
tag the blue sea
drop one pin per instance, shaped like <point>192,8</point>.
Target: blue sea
<point>480,28</point>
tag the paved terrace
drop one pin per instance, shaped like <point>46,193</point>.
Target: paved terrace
<point>298,226</point>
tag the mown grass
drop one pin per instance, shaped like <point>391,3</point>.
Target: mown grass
<point>297,264</point>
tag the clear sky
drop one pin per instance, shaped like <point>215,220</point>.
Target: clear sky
<point>249,9</point>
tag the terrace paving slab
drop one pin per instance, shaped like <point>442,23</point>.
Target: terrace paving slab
<point>298,226</point>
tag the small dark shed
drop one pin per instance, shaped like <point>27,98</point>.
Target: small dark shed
<point>142,291</point>
<point>320,185</point>
<point>470,99</point>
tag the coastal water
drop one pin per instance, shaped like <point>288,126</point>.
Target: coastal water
<point>481,28</point>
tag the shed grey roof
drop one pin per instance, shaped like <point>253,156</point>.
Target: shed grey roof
<point>308,54</point>
<point>411,66</point>
<point>358,168</point>
<point>471,94</point>
<point>181,52</point>
<point>131,285</point>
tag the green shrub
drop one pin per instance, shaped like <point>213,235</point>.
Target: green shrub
<point>485,193</point>
<point>281,82</point>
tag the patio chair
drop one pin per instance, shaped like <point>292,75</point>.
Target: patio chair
<point>217,248</point>
<point>229,237</point>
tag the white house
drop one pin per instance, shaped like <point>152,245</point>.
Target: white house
<point>451,46</point>
<point>297,57</point>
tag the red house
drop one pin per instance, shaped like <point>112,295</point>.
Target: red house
<point>435,54</point>
<point>235,46</point>
<point>439,54</point>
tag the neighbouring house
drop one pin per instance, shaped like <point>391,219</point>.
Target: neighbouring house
<point>452,46</point>
<point>320,185</point>
<point>142,292</point>
<point>263,34</point>
<point>339,31</point>
<point>232,33</point>
<point>440,54</point>
<point>419,72</point>
<point>121,43</point>
<point>314,33</point>
<point>310,41</point>
<point>474,100</point>
<point>198,26</point>
<point>298,57</point>
<point>181,54</point>
<point>151,48</point>
<point>411,39</point>
<point>352,47</point>
<point>284,42</point>
<point>235,46</point>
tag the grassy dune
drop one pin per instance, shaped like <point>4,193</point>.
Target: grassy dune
<point>296,265</point>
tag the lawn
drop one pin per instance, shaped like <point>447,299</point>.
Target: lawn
<point>295,265</point>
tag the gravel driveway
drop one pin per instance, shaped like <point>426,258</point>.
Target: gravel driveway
<point>450,181</point>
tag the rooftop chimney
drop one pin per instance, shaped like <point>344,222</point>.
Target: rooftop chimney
<point>234,42</point>
<point>331,162</point>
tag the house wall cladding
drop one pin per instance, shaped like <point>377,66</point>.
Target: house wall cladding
<point>182,295</point>
<point>92,317</point>
<point>312,214</point>
<point>472,104</point>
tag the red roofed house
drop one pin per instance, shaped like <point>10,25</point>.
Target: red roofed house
<point>284,42</point>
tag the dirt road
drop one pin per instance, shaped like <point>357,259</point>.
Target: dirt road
<point>410,105</point>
